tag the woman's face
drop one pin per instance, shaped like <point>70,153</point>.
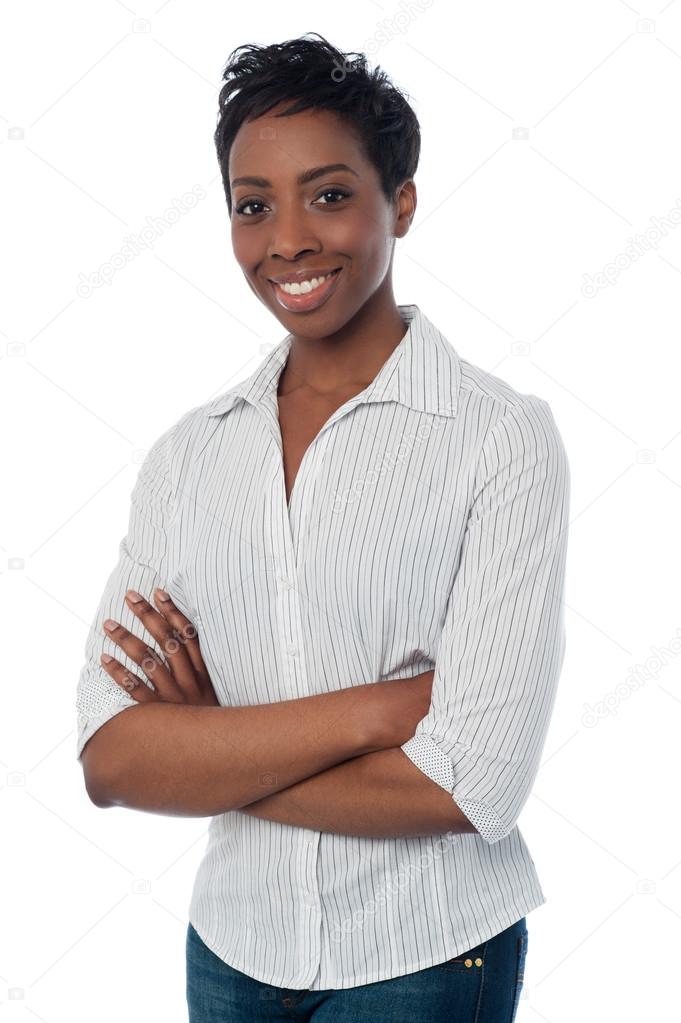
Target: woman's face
<point>340,220</point>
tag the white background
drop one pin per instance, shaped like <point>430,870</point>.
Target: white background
<point>550,140</point>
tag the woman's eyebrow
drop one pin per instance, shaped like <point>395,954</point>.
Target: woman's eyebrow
<point>302,179</point>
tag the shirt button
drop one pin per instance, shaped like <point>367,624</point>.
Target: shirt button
<point>292,649</point>
<point>286,583</point>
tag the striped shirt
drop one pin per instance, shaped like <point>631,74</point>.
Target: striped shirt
<point>426,529</point>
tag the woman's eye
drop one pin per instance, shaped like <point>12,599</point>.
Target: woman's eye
<point>333,191</point>
<point>249,202</point>
<point>242,207</point>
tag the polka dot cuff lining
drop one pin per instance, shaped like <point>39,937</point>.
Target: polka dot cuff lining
<point>429,758</point>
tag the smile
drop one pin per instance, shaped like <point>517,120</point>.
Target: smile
<point>307,295</point>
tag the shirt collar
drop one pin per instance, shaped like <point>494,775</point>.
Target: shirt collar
<point>423,372</point>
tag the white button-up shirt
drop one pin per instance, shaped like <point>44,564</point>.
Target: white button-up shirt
<point>427,528</point>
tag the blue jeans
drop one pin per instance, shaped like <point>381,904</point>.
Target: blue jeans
<point>451,991</point>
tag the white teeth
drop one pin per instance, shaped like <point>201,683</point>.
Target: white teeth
<point>304,287</point>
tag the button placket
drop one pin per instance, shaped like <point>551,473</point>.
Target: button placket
<point>293,515</point>
<point>284,558</point>
<point>311,461</point>
<point>299,514</point>
<point>289,633</point>
<point>288,598</point>
<point>290,628</point>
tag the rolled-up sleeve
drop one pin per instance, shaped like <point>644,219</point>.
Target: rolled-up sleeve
<point>142,565</point>
<point>501,649</point>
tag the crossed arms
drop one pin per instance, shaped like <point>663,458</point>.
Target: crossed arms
<point>469,762</point>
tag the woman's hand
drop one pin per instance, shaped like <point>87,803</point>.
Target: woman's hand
<point>183,677</point>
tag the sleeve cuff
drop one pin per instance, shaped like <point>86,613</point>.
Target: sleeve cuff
<point>429,758</point>
<point>87,726</point>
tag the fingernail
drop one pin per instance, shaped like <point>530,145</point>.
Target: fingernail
<point>134,597</point>
<point>106,658</point>
<point>162,595</point>
<point>109,624</point>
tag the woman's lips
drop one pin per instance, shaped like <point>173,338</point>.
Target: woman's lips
<point>312,300</point>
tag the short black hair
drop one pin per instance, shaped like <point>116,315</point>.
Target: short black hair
<point>310,72</point>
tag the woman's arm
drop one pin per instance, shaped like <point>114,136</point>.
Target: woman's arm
<point>193,761</point>
<point>378,795</point>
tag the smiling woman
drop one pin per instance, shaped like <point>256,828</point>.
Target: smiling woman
<point>334,216</point>
<point>443,565</point>
<point>318,177</point>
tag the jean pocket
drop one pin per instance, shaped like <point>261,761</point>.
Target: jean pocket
<point>466,962</point>
<point>520,970</point>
